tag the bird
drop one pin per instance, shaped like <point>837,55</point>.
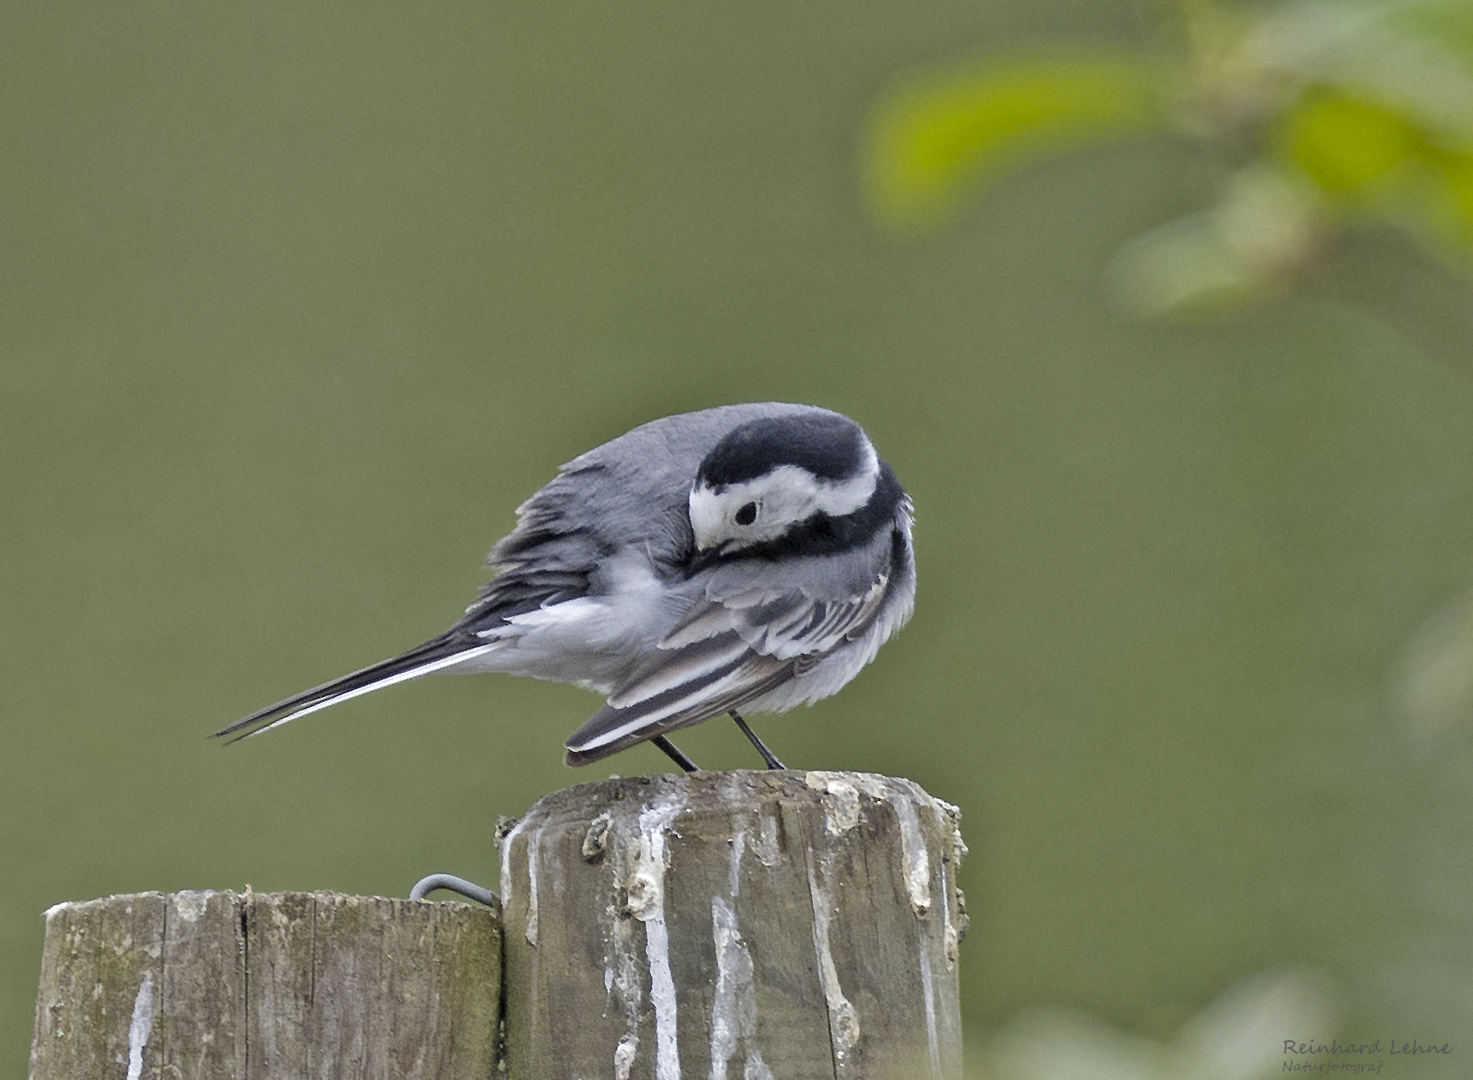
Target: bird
<point>739,559</point>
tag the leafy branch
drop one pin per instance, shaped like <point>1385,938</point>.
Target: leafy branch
<point>1342,115</point>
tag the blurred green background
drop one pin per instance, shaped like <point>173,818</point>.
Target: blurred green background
<point>299,300</point>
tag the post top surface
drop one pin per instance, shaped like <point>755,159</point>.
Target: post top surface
<point>723,792</point>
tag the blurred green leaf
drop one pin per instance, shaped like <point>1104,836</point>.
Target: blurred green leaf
<point>1350,147</point>
<point>1239,1036</point>
<point>1457,178</point>
<point>1371,159</point>
<point>1253,241</point>
<point>1330,115</point>
<point>1434,687</point>
<point>1184,269</point>
<point>935,138</point>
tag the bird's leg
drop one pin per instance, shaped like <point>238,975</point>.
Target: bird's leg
<point>674,754</point>
<point>767,755</point>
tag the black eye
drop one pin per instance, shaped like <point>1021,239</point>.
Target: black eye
<point>747,514</point>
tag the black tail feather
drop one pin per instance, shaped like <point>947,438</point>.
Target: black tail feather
<point>399,667</point>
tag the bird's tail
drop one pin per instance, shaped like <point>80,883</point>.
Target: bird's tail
<point>445,651</point>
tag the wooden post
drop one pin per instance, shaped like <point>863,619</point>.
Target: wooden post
<point>743,925</point>
<point>747,925</point>
<point>207,985</point>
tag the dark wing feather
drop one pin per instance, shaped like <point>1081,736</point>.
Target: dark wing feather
<point>721,656</point>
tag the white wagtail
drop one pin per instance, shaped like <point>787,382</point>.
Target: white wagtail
<point>747,557</point>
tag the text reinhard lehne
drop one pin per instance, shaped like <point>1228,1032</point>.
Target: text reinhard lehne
<point>1335,1046</point>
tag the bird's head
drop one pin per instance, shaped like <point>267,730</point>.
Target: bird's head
<point>768,477</point>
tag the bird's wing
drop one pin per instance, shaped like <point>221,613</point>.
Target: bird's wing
<point>725,653</point>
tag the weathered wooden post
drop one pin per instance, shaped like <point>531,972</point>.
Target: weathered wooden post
<point>747,924</point>
<point>742,924</point>
<point>225,986</point>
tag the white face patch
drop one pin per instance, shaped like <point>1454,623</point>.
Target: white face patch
<point>767,507</point>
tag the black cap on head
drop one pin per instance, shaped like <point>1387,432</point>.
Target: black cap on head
<point>829,446</point>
